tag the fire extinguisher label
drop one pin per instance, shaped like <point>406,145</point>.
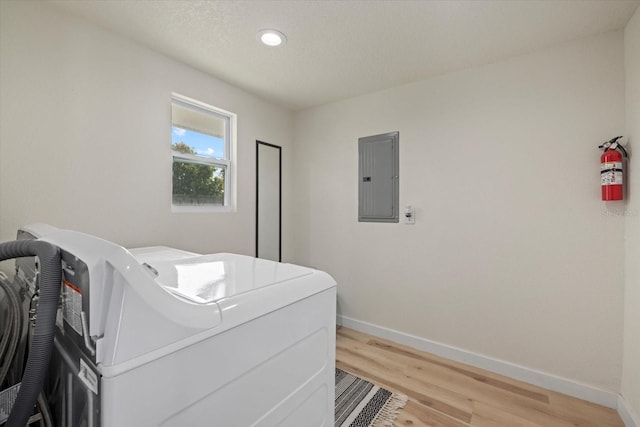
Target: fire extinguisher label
<point>611,173</point>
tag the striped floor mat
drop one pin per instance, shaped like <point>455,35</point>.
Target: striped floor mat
<point>362,404</point>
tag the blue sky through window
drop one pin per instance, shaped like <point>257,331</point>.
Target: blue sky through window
<point>204,145</point>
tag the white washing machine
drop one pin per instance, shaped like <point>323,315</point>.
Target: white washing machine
<point>163,337</point>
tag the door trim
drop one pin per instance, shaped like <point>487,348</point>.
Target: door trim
<point>258,143</point>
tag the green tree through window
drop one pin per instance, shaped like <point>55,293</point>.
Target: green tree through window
<point>196,183</point>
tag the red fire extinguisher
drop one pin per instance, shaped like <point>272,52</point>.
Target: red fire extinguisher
<point>611,169</point>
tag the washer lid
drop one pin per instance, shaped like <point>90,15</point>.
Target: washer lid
<point>151,254</point>
<point>208,278</point>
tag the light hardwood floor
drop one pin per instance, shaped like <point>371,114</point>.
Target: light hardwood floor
<point>443,393</point>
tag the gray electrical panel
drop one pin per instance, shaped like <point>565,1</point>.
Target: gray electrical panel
<point>378,178</point>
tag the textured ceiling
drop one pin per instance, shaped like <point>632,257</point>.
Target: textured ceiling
<point>339,49</point>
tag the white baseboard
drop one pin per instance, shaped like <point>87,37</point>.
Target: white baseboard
<point>629,417</point>
<point>521,373</point>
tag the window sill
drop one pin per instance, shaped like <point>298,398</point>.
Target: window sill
<point>202,209</point>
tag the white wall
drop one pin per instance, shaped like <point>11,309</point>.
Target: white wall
<point>631,360</point>
<point>85,136</point>
<point>513,254</point>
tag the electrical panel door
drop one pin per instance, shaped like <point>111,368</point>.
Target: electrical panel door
<point>378,178</point>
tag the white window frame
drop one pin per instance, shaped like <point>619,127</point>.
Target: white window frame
<point>229,162</point>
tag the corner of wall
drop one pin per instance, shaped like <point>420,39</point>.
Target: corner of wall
<point>629,417</point>
<point>629,402</point>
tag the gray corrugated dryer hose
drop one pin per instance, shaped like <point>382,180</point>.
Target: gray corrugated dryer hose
<point>42,344</point>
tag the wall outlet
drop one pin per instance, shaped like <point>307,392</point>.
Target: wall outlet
<point>409,215</point>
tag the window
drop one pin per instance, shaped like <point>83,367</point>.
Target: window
<point>202,147</point>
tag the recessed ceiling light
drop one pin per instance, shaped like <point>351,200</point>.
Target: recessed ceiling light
<point>271,38</point>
